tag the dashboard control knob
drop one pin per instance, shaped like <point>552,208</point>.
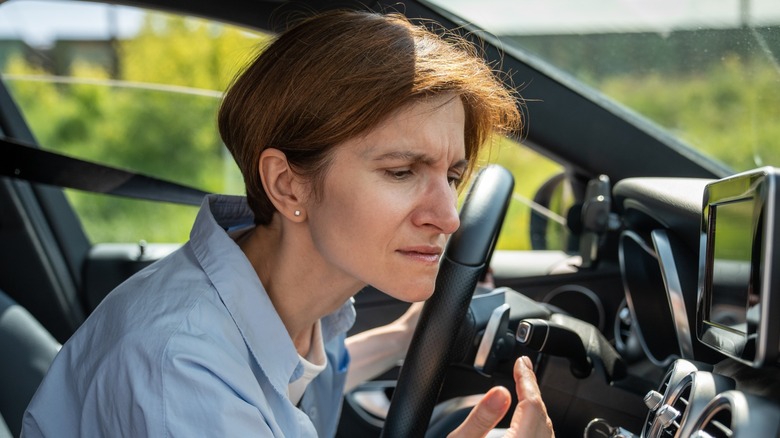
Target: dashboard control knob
<point>653,399</point>
<point>666,415</point>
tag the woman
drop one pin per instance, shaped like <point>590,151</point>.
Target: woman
<point>353,132</point>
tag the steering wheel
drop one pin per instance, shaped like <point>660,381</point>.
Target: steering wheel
<point>464,260</point>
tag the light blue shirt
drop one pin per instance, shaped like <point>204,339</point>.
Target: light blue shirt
<point>191,346</point>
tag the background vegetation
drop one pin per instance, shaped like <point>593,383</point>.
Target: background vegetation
<point>717,89</point>
<point>167,131</point>
<point>170,131</point>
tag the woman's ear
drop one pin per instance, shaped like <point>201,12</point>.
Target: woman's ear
<point>281,184</point>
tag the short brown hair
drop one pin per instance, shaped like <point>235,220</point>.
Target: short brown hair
<point>339,74</point>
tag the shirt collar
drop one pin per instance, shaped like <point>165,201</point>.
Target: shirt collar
<point>244,296</point>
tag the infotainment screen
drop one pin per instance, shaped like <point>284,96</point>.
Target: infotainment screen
<point>733,268</point>
<point>737,267</point>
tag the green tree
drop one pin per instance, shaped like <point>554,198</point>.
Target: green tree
<point>719,115</point>
<point>159,118</point>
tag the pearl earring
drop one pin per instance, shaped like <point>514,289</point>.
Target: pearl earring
<point>297,212</point>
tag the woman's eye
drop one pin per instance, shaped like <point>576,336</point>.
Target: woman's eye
<point>399,174</point>
<point>455,180</point>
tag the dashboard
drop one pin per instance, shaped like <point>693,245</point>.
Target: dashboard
<point>697,264</point>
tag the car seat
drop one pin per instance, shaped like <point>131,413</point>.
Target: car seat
<point>27,350</point>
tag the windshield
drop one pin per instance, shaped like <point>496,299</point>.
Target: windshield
<point>707,71</point>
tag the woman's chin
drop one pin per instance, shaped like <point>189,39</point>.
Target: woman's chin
<point>412,294</point>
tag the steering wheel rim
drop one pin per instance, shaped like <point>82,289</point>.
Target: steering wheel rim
<point>463,262</point>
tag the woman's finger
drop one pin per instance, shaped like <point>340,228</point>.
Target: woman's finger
<point>485,415</point>
<point>530,417</point>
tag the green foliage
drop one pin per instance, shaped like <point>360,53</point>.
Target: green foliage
<point>530,171</point>
<point>173,134</point>
<point>159,119</point>
<point>143,124</point>
<point>730,113</point>
<point>187,52</point>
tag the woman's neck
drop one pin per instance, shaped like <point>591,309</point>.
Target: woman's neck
<point>302,286</point>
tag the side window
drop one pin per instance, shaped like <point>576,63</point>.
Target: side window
<point>130,88</point>
<point>139,90</point>
<point>536,218</point>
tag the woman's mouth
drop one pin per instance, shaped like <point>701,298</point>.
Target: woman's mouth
<point>425,255</point>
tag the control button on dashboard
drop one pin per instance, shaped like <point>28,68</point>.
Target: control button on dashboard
<point>666,415</point>
<point>653,399</point>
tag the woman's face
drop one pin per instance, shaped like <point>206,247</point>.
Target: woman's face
<point>389,199</point>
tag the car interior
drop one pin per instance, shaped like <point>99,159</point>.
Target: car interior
<point>643,289</point>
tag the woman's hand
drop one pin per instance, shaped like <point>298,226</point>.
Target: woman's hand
<point>375,351</point>
<point>407,323</point>
<point>530,418</point>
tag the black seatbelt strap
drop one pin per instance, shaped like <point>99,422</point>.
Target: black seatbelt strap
<point>30,163</point>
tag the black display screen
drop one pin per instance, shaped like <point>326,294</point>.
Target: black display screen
<point>738,267</point>
<point>732,290</point>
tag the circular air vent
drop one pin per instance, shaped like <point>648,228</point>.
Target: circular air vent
<point>716,420</point>
<point>662,389</point>
<point>680,407</point>
<point>718,425</point>
<point>669,416</point>
<point>687,400</point>
<point>733,414</point>
<point>678,371</point>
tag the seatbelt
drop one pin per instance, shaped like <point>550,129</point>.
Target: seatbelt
<point>30,163</point>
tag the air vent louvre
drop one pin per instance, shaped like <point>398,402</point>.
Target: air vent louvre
<point>719,424</point>
<point>681,405</point>
<point>651,415</point>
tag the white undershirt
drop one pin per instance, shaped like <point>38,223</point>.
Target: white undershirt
<point>313,364</point>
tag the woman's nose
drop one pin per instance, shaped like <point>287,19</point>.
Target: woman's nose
<point>439,208</point>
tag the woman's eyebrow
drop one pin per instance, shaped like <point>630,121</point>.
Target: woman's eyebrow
<point>405,156</point>
<point>417,157</point>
